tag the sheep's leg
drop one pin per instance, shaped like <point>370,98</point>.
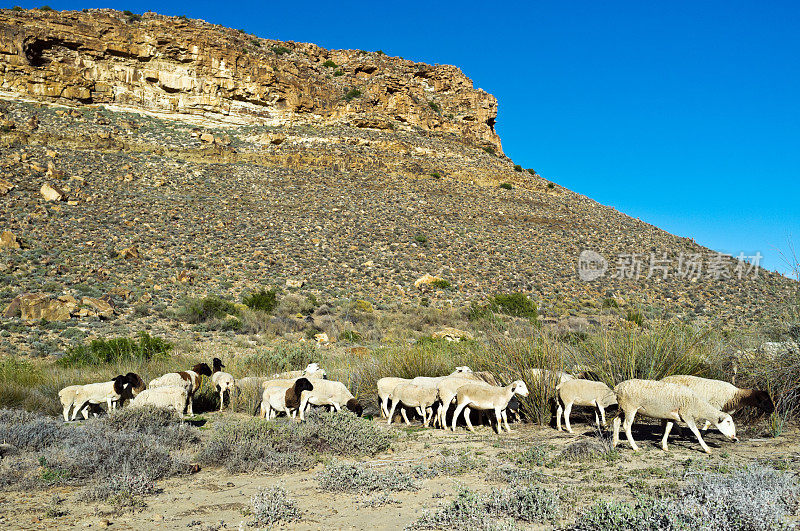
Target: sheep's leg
<point>505,420</point>
<point>498,415</point>
<point>85,413</point>
<point>602,414</point>
<point>220,400</point>
<point>629,416</point>
<point>66,412</point>
<point>385,406</point>
<point>567,413</point>
<point>459,409</point>
<point>692,426</point>
<point>391,414</point>
<point>559,412</point>
<point>303,405</point>
<point>77,409</point>
<point>615,437</point>
<point>466,417</point>
<point>263,411</point>
<point>189,410</point>
<point>424,416</point>
<point>667,429</point>
<point>405,416</point>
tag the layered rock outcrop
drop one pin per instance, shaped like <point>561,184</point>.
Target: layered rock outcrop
<point>192,69</point>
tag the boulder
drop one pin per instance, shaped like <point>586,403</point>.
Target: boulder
<point>451,334</point>
<point>322,338</point>
<point>35,306</point>
<point>8,240</point>
<point>102,308</point>
<point>51,192</point>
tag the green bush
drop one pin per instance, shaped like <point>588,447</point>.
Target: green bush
<point>329,64</point>
<point>517,167</point>
<point>280,50</point>
<point>46,8</point>
<point>421,238</point>
<point>272,505</point>
<point>489,150</point>
<point>122,349</point>
<point>635,316</point>
<point>435,107</point>
<point>132,17</point>
<point>263,300</point>
<point>441,284</point>
<point>352,94</point>
<point>436,175</point>
<point>506,186</point>
<point>197,311</point>
<point>17,8</point>
<point>350,336</point>
<point>514,304</point>
<point>338,73</point>
<point>531,171</point>
<point>551,185</point>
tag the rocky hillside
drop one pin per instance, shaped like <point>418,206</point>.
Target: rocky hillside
<point>147,160</point>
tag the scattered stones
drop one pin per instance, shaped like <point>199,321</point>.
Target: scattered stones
<point>103,309</point>
<point>129,253</point>
<point>51,192</point>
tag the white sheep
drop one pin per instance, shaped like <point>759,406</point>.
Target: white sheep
<point>448,389</point>
<point>385,387</point>
<point>329,393</point>
<point>111,393</point>
<point>67,398</point>
<point>722,395</point>
<point>312,370</point>
<point>482,397</point>
<point>190,380</point>
<point>433,381</point>
<point>170,396</point>
<point>281,399</point>
<point>556,377</point>
<point>583,393</point>
<point>670,402</point>
<point>411,395</point>
<point>223,382</point>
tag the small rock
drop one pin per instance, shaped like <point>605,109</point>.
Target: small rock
<point>51,192</point>
<point>5,187</point>
<point>322,338</point>
<point>207,137</point>
<point>103,308</point>
<point>8,449</point>
<point>426,279</point>
<point>105,522</point>
<point>451,334</point>
<point>8,240</point>
<point>129,253</point>
<point>295,283</point>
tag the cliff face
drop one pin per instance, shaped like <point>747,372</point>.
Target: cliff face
<point>210,73</point>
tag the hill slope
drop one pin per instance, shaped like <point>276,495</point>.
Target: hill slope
<point>227,162</point>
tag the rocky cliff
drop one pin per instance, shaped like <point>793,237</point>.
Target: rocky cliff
<point>193,69</point>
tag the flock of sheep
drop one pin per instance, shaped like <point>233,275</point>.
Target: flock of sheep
<point>678,398</point>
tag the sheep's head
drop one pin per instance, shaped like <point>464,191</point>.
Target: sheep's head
<point>519,388</point>
<point>302,384</point>
<point>202,369</point>
<point>726,427</point>
<point>119,383</point>
<point>217,364</point>
<point>311,368</point>
<point>136,383</point>
<point>354,406</point>
<point>463,368</point>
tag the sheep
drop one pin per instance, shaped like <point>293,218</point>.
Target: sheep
<point>67,398</point>
<point>311,370</point>
<point>329,393</point>
<point>448,388</point>
<point>282,399</point>
<point>722,395</point>
<point>671,402</point>
<point>558,377</point>
<point>222,381</point>
<point>116,391</point>
<point>190,380</point>
<point>385,388</point>
<point>433,381</point>
<point>172,396</point>
<point>483,397</point>
<point>583,393</point>
<point>412,395</point>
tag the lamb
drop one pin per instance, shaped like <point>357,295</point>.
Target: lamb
<point>483,397</point>
<point>278,399</point>
<point>329,393</point>
<point>412,395</point>
<point>116,391</point>
<point>222,381</point>
<point>722,395</point>
<point>385,388</point>
<point>583,393</point>
<point>671,402</point>
<point>170,396</point>
<point>190,380</point>
<point>312,370</point>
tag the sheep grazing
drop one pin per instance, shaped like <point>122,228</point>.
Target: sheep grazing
<point>411,395</point>
<point>67,398</point>
<point>279,399</point>
<point>483,397</point>
<point>170,396</point>
<point>724,396</point>
<point>671,402</point>
<point>583,393</point>
<point>329,393</point>
<point>190,380</point>
<point>312,370</point>
<point>385,388</point>
<point>223,381</point>
<point>116,391</point>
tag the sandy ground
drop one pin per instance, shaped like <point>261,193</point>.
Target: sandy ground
<point>215,499</point>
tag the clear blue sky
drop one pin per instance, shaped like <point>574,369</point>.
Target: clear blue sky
<point>685,114</point>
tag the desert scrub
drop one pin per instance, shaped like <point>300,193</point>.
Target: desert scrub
<point>357,478</point>
<point>352,94</point>
<point>533,456</point>
<point>751,498</point>
<point>281,445</point>
<point>263,300</point>
<point>481,510</point>
<point>448,465</point>
<point>441,284</point>
<point>93,449</point>
<point>207,309</point>
<point>273,505</point>
<point>506,186</point>
<point>122,349</point>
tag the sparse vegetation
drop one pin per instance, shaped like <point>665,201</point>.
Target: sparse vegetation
<point>329,64</point>
<point>506,186</point>
<point>435,107</point>
<point>517,167</point>
<point>104,351</point>
<point>352,94</point>
<point>263,300</point>
<point>281,50</point>
<point>441,284</point>
<point>357,478</point>
<point>273,505</point>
